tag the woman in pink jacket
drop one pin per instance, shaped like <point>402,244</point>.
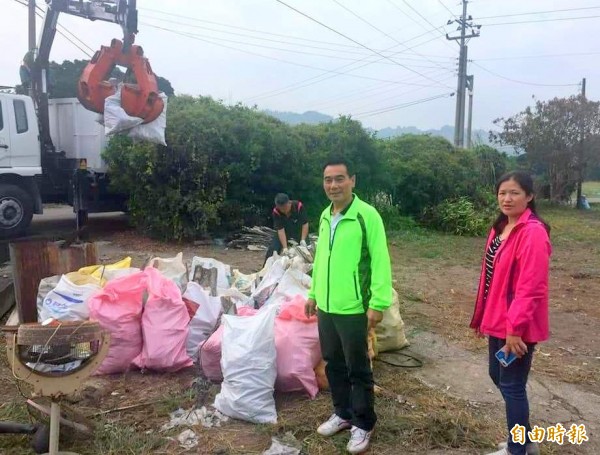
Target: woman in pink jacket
<point>512,300</point>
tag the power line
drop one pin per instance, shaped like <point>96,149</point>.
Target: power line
<point>543,20</point>
<point>351,39</point>
<point>369,94</point>
<point>420,15</point>
<point>323,77</point>
<point>247,29</point>
<point>275,58</point>
<point>372,102</point>
<point>538,12</point>
<point>447,9</point>
<point>527,57</point>
<point>379,30</point>
<point>295,51</point>
<point>41,16</point>
<point>246,43</point>
<point>402,106</point>
<point>522,82</point>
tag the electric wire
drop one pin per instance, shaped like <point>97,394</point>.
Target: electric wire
<point>349,38</point>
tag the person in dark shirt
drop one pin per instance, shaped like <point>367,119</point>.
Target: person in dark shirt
<point>290,222</point>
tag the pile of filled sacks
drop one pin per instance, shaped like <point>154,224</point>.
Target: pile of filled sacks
<point>143,311</point>
<point>248,332</point>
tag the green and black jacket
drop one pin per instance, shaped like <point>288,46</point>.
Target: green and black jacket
<point>352,270</point>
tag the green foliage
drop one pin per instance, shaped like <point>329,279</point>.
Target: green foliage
<point>423,171</point>
<point>224,164</point>
<point>550,134</point>
<point>460,217</point>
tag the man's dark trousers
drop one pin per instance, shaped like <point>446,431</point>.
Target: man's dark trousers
<point>344,347</point>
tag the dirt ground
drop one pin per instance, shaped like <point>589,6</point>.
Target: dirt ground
<point>447,406</point>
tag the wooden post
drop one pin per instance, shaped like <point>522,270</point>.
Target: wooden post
<point>33,260</point>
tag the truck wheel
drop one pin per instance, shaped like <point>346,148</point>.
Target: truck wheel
<point>16,210</point>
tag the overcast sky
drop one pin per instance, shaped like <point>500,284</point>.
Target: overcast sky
<point>262,52</point>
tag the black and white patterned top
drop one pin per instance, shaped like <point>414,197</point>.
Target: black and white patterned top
<point>489,262</point>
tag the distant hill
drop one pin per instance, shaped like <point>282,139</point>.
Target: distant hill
<point>293,118</point>
<point>314,118</point>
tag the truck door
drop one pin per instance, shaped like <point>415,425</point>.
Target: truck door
<point>4,134</point>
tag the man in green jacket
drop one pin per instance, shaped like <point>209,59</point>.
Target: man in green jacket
<point>351,287</point>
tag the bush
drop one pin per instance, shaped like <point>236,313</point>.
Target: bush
<point>224,165</point>
<point>460,217</point>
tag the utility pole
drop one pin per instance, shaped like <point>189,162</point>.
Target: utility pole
<point>31,25</point>
<point>470,82</point>
<point>464,22</point>
<point>32,44</point>
<point>581,167</point>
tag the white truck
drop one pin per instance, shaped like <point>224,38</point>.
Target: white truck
<point>50,149</point>
<point>76,174</point>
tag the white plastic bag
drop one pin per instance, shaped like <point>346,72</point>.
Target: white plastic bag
<point>117,121</point>
<point>45,286</point>
<point>271,279</point>
<point>153,131</point>
<point>249,367</point>
<point>172,268</point>
<point>293,283</point>
<point>68,301</point>
<point>223,270</point>
<point>205,319</point>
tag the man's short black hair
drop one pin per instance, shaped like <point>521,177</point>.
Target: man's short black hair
<point>339,160</point>
<point>281,199</point>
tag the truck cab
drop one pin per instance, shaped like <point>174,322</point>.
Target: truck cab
<point>20,164</point>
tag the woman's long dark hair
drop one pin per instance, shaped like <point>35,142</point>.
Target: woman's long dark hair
<point>525,181</point>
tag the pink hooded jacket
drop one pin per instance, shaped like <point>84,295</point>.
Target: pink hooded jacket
<point>517,301</point>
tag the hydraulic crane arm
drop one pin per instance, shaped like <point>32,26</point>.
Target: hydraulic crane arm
<point>122,12</point>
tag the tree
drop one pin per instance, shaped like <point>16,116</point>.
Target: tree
<point>557,137</point>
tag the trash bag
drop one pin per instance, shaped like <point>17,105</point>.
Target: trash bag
<point>390,331</point>
<point>249,367</point>
<point>172,268</point>
<point>205,318</point>
<point>244,283</point>
<point>210,355</point>
<point>118,309</point>
<point>117,121</point>
<point>68,301</point>
<point>223,271</point>
<point>164,326</point>
<point>45,286</point>
<point>118,273</point>
<point>210,350</point>
<point>294,282</point>
<point>271,280</point>
<point>153,131</point>
<point>298,349</point>
<point>99,271</point>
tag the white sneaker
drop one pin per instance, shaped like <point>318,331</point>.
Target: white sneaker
<point>334,425</point>
<point>359,440</point>
<point>531,448</point>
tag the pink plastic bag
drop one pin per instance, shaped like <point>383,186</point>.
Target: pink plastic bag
<point>164,326</point>
<point>118,309</point>
<point>210,350</point>
<point>298,349</point>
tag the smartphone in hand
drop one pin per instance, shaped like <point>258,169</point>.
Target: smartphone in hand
<point>504,359</point>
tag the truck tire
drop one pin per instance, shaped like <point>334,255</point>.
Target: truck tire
<point>16,210</point>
